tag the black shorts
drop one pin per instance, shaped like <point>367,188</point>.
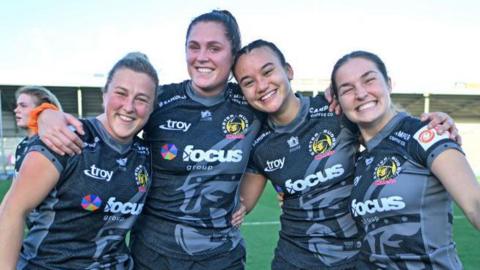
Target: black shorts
<point>146,258</point>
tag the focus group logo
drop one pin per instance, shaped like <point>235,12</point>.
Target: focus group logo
<point>92,203</point>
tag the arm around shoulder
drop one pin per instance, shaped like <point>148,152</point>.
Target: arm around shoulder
<point>453,170</point>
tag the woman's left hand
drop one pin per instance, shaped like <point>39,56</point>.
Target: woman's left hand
<point>239,215</point>
<point>442,122</point>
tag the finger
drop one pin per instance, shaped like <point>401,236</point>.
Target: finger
<point>458,139</point>
<point>338,110</point>
<point>74,142</point>
<point>71,120</point>
<point>446,124</point>
<point>64,143</point>
<point>52,146</point>
<point>423,117</point>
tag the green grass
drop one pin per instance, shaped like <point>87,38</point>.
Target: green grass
<point>261,233</point>
<point>261,239</point>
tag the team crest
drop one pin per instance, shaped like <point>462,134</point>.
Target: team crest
<point>321,144</point>
<point>234,126</point>
<point>141,178</point>
<point>386,171</point>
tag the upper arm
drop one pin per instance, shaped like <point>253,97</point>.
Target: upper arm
<point>452,169</point>
<point>251,189</point>
<point>36,178</point>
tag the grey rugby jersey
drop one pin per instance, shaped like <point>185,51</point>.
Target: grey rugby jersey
<point>311,161</point>
<point>83,222</point>
<point>20,153</point>
<point>404,211</point>
<point>200,149</point>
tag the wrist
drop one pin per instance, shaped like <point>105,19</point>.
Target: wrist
<point>34,114</point>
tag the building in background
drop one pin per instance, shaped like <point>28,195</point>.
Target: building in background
<point>461,101</point>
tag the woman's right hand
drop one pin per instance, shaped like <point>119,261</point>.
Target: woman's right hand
<point>54,129</point>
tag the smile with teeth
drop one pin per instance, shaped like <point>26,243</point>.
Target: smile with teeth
<point>268,95</point>
<point>204,70</point>
<point>126,118</point>
<point>366,105</point>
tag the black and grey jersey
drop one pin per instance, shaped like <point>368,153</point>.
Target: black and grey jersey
<point>311,161</point>
<point>83,221</point>
<point>200,149</point>
<point>21,152</point>
<point>403,210</point>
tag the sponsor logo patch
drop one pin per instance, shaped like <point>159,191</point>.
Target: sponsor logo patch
<point>211,155</point>
<point>428,137</point>
<point>386,171</point>
<point>377,205</point>
<point>273,165</point>
<point>234,126</point>
<point>141,178</point>
<point>321,144</point>
<point>314,179</point>
<point>97,173</point>
<point>168,151</point>
<point>175,125</point>
<point>91,202</point>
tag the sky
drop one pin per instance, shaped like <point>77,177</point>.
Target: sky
<point>426,44</point>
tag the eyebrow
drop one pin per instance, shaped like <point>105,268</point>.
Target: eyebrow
<point>263,67</point>
<point>366,74</point>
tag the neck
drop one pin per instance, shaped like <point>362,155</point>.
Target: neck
<point>209,92</point>
<point>371,129</point>
<point>103,119</point>
<point>30,133</point>
<point>287,112</point>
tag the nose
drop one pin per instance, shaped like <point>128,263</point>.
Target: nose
<point>262,85</point>
<point>202,55</point>
<point>16,109</point>
<point>361,92</point>
<point>128,104</point>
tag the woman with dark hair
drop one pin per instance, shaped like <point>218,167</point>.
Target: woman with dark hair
<point>88,202</point>
<point>308,154</point>
<point>406,177</point>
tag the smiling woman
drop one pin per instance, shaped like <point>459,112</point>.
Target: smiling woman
<point>406,177</point>
<point>91,196</point>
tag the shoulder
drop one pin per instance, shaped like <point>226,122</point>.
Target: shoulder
<point>234,94</point>
<point>262,136</point>
<point>140,146</point>
<point>319,101</point>
<point>169,93</point>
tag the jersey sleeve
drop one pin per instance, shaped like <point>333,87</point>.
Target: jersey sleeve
<point>253,166</point>
<point>426,144</point>
<point>57,160</point>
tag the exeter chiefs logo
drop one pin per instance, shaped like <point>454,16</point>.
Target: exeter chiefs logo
<point>234,126</point>
<point>141,177</point>
<point>386,171</point>
<point>321,144</point>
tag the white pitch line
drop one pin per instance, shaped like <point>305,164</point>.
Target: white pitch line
<point>261,223</point>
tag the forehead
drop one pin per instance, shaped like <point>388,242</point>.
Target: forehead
<point>258,57</point>
<point>208,32</point>
<point>355,68</point>
<point>132,80</point>
<point>25,98</point>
